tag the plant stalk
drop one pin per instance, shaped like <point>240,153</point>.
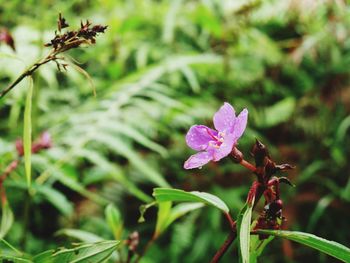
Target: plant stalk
<point>50,57</point>
<point>230,238</point>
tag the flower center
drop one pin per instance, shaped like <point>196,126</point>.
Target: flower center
<point>217,140</point>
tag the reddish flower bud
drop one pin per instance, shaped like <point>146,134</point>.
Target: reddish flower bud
<point>133,241</point>
<point>6,37</point>
<point>19,147</point>
<point>260,153</point>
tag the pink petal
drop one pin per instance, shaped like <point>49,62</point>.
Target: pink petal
<point>199,136</point>
<point>224,118</point>
<point>197,160</point>
<point>225,148</point>
<point>241,123</point>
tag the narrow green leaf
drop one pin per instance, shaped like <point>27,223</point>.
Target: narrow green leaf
<point>114,172</point>
<point>56,198</point>
<point>168,194</point>
<point>243,228</point>
<point>164,209</point>
<point>14,259</point>
<point>257,246</point>
<point>122,148</point>
<point>134,134</point>
<point>182,209</point>
<point>322,204</point>
<point>85,74</point>
<point>10,246</point>
<point>73,184</point>
<point>6,219</point>
<point>94,252</point>
<point>27,132</point>
<point>170,21</point>
<point>114,220</point>
<point>331,248</point>
<point>168,214</point>
<point>191,78</point>
<point>277,113</point>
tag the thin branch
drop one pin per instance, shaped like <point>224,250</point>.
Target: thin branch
<point>230,238</point>
<point>50,57</point>
<point>230,220</point>
<point>248,165</point>
<point>148,245</point>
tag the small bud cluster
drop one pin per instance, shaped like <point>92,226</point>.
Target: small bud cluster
<point>74,38</point>
<point>268,185</point>
<point>133,241</point>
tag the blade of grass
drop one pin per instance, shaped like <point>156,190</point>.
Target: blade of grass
<point>27,132</point>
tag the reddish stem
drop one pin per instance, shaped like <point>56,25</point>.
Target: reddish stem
<point>10,168</point>
<point>149,243</point>
<point>232,236</point>
<point>248,165</point>
<point>230,220</point>
<point>228,240</point>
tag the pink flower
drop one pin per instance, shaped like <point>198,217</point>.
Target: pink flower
<point>213,145</point>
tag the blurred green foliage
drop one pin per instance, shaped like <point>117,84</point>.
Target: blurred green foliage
<point>161,67</point>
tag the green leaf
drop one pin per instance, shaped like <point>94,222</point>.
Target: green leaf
<point>191,78</point>
<point>6,219</point>
<point>134,134</point>
<point>257,246</point>
<point>12,254</point>
<point>277,113</point>
<point>168,194</point>
<point>95,252</point>
<point>56,198</point>
<point>114,172</point>
<point>81,235</point>
<point>114,220</point>
<point>73,184</point>
<point>14,259</point>
<point>243,228</point>
<point>182,209</point>
<point>164,209</point>
<point>167,214</point>
<point>10,246</point>
<point>322,204</point>
<point>331,248</point>
<point>27,132</point>
<point>120,147</point>
<point>170,21</point>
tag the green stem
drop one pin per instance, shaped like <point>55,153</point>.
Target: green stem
<point>26,218</point>
<point>28,72</point>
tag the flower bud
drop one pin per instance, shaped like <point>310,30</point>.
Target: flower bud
<point>260,153</point>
